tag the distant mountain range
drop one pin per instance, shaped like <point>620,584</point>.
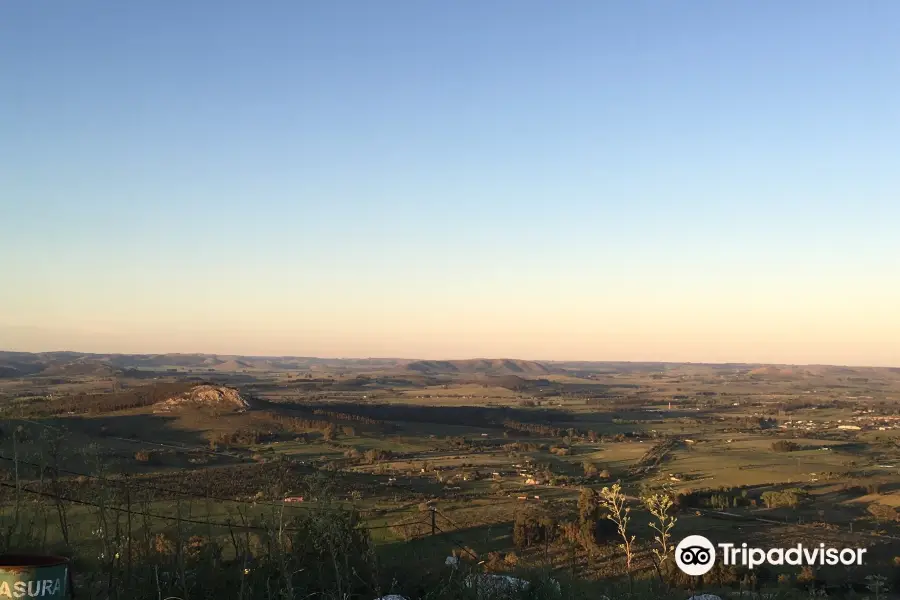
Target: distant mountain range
<point>69,364</point>
<point>80,364</point>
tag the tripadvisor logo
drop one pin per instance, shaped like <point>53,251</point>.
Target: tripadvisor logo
<point>696,555</point>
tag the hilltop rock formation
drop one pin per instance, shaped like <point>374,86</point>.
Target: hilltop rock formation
<point>213,396</point>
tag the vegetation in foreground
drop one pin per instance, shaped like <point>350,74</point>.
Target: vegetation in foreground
<point>327,551</point>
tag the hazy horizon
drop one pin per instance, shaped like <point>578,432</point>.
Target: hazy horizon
<point>645,181</point>
<point>98,351</point>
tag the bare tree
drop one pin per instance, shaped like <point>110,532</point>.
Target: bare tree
<point>617,511</point>
<point>659,506</point>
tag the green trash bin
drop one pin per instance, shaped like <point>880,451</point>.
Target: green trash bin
<point>24,576</point>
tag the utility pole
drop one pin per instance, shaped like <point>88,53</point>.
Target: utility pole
<point>433,520</point>
<point>128,533</point>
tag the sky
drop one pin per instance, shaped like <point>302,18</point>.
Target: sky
<point>697,181</point>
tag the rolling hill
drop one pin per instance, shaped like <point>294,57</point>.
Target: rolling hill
<point>479,366</point>
<point>81,368</point>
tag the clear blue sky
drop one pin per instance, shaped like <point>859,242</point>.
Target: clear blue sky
<point>694,180</point>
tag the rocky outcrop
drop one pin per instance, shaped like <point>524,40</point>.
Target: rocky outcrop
<point>212,396</point>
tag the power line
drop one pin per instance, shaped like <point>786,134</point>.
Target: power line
<point>216,523</point>
<point>169,518</point>
<point>136,440</point>
<point>455,543</point>
<point>125,510</point>
<point>404,524</point>
<point>148,486</point>
<point>448,519</point>
<point>134,484</point>
<point>140,485</point>
<point>160,488</point>
<point>188,494</point>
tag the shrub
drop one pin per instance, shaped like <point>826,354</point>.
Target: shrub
<point>494,562</point>
<point>882,512</point>
<point>785,446</point>
<point>806,575</point>
<point>163,545</point>
<point>789,498</point>
<point>373,455</point>
<point>143,457</point>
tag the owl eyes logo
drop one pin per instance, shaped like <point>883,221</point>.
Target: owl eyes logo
<point>695,555</point>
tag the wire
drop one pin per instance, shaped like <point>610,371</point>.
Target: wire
<point>166,517</point>
<point>160,488</point>
<point>125,510</point>
<point>455,543</point>
<point>136,440</point>
<point>139,485</point>
<point>396,525</point>
<point>448,519</point>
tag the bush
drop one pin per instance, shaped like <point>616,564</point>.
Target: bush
<point>785,446</point>
<point>144,457</point>
<point>882,512</point>
<point>789,498</point>
<point>806,575</point>
<point>374,455</point>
